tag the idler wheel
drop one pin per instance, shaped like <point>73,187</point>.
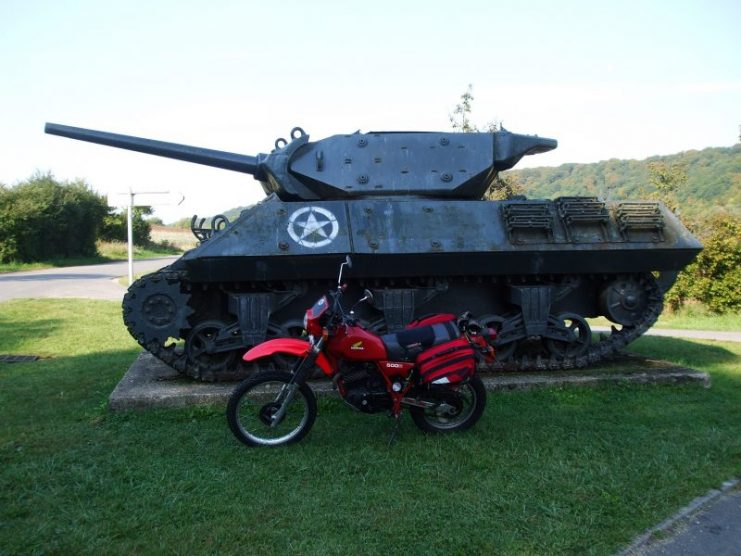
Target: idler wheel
<point>200,344</point>
<point>624,300</point>
<point>581,337</point>
<point>503,351</point>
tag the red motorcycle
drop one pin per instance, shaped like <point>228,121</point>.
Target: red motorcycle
<point>428,368</point>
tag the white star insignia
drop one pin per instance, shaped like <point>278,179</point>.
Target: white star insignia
<point>312,226</point>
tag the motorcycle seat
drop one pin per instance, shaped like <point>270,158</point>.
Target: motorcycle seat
<point>406,344</point>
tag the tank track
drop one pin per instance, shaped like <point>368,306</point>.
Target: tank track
<point>162,334</point>
<point>168,352</point>
<point>608,346</point>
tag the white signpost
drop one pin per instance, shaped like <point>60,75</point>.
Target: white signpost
<point>133,199</point>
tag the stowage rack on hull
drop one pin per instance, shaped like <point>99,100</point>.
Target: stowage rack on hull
<point>408,208</point>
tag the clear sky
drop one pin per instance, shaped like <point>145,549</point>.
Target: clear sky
<point>607,79</point>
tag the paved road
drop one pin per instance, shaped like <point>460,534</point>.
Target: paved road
<point>92,282</point>
<point>721,336</point>
<point>716,530</point>
<point>710,524</point>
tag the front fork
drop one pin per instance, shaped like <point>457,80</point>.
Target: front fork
<point>300,374</point>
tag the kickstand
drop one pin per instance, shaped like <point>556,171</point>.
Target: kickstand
<point>395,430</point>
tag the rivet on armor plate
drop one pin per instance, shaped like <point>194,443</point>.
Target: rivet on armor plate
<point>363,179</point>
<point>362,142</point>
<point>283,245</point>
<point>446,177</point>
<point>373,244</point>
<point>444,141</point>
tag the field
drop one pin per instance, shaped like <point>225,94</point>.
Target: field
<point>556,471</point>
<point>178,237</point>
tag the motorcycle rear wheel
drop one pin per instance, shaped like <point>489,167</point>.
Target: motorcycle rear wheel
<point>257,399</point>
<point>457,408</point>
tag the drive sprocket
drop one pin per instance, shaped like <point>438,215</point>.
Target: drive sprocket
<point>155,309</point>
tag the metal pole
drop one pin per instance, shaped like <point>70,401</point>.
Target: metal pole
<point>131,237</point>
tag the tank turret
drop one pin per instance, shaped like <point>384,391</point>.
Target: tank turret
<point>374,164</point>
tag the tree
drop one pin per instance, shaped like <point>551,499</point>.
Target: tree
<point>668,179</point>
<point>714,279</point>
<point>502,187</point>
<point>505,187</point>
<point>460,119</point>
<point>42,218</point>
<point>115,226</point>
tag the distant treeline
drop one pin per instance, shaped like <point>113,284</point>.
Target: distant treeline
<point>713,180</point>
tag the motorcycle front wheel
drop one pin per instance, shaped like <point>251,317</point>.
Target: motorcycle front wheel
<point>455,408</point>
<point>253,411</point>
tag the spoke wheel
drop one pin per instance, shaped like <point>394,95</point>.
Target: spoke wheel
<point>200,340</point>
<point>503,351</point>
<point>580,337</point>
<point>456,407</point>
<point>252,411</point>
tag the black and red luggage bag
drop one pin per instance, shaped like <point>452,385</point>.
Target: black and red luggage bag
<point>447,363</point>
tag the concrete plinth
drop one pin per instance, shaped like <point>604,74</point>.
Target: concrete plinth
<point>149,383</point>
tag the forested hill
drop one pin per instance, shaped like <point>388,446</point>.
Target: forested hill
<point>713,179</point>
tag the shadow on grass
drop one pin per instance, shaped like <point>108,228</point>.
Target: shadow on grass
<point>14,334</point>
<point>696,354</point>
<point>68,385</point>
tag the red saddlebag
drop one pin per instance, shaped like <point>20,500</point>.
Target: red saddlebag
<point>446,363</point>
<point>428,320</point>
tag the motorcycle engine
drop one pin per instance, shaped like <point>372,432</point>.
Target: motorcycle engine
<point>363,388</point>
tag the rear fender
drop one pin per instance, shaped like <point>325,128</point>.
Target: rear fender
<point>287,346</point>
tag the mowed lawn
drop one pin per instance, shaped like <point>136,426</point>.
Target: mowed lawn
<point>552,471</point>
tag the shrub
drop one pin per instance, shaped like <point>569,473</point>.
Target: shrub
<point>714,279</point>
<point>115,227</point>
<point>42,218</point>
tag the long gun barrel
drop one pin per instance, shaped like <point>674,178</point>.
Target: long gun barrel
<point>357,165</point>
<point>209,157</point>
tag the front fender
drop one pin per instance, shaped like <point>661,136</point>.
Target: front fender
<point>289,346</point>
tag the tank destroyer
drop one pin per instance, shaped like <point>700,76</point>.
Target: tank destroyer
<point>410,209</point>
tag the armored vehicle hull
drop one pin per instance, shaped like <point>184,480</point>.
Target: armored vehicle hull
<point>534,269</point>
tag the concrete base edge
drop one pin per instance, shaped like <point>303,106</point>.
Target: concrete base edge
<point>150,384</point>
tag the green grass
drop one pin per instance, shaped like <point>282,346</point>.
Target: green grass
<point>696,317</point>
<point>107,252</point>
<point>553,471</point>
<point>693,317</point>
